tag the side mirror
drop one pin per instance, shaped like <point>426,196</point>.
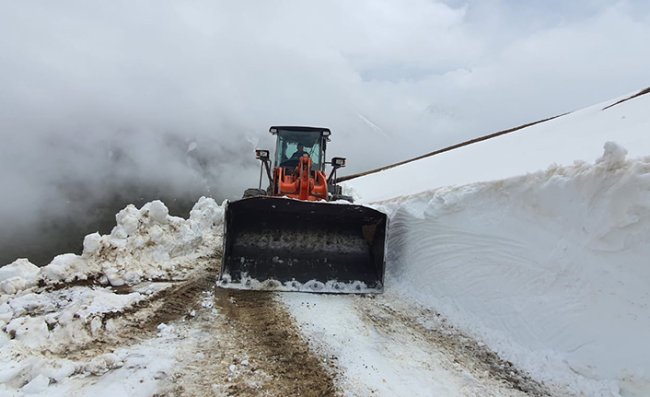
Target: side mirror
<point>261,154</point>
<point>338,162</point>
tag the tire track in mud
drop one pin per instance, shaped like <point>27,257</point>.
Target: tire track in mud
<point>140,321</point>
<point>264,350</point>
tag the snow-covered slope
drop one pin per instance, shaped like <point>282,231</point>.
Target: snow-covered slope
<point>576,136</point>
<point>549,268</point>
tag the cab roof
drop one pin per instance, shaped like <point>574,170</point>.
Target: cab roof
<point>319,130</point>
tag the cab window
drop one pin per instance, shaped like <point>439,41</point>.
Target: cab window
<point>288,141</point>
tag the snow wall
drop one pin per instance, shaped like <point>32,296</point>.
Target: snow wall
<point>550,269</point>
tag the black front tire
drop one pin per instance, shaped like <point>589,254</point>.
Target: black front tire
<point>253,192</point>
<point>342,197</point>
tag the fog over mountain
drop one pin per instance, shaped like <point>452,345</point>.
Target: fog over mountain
<point>108,103</point>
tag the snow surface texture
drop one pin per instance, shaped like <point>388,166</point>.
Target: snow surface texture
<point>41,321</point>
<point>550,269</point>
<point>384,348</point>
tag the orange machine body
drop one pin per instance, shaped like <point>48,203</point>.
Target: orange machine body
<point>302,183</point>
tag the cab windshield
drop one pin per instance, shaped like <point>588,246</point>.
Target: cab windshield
<point>294,144</point>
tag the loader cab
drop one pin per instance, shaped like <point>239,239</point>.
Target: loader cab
<point>292,142</point>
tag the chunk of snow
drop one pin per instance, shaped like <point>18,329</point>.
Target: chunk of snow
<point>13,285</point>
<point>18,276</point>
<point>31,331</point>
<point>37,385</point>
<point>19,268</point>
<point>104,363</point>
<point>68,267</point>
<point>157,211</point>
<point>92,244</point>
<point>114,276</point>
<point>165,330</point>
<point>613,157</point>
<point>127,221</point>
<point>205,214</point>
<point>59,370</point>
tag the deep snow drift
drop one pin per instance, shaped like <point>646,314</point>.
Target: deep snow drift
<point>549,268</point>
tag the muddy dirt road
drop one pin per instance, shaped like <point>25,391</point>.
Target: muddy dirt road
<point>251,343</point>
<point>249,346</point>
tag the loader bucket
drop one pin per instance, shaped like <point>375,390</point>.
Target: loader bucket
<point>283,244</point>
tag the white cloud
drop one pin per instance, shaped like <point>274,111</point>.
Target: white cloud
<point>106,95</point>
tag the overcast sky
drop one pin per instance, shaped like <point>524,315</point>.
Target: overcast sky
<point>101,95</point>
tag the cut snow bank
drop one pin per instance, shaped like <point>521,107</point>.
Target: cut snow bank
<point>549,269</point>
